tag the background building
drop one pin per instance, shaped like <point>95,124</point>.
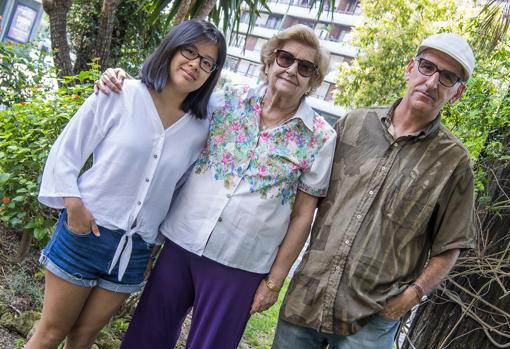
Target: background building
<point>20,20</point>
<point>333,27</point>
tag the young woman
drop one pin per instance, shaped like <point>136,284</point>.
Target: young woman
<point>142,141</point>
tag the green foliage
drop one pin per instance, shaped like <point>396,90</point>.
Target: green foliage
<point>21,68</point>
<point>387,40</point>
<point>481,118</point>
<point>20,343</point>
<point>27,131</point>
<point>134,37</point>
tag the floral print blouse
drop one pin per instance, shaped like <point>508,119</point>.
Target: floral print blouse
<point>235,207</point>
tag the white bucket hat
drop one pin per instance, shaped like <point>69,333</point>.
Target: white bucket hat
<point>454,46</point>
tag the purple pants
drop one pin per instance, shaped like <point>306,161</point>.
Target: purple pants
<point>220,296</point>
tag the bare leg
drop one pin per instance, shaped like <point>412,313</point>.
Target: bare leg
<point>99,308</point>
<point>63,303</point>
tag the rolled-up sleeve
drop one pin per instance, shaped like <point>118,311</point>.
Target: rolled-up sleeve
<point>316,181</point>
<point>454,220</point>
<point>69,153</point>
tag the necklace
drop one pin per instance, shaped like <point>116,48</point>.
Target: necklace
<point>264,125</point>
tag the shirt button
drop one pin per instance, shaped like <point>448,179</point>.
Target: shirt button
<point>220,219</point>
<point>358,216</point>
<point>337,268</point>
<point>155,156</point>
<point>229,196</point>
<point>371,192</point>
<point>383,168</point>
<point>395,144</point>
<point>347,242</point>
<point>139,203</point>
<point>146,179</point>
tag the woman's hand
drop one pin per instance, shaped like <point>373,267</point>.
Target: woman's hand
<point>152,260</point>
<point>79,219</point>
<point>264,298</point>
<point>111,80</point>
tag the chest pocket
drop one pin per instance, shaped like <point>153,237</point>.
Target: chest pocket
<point>409,200</point>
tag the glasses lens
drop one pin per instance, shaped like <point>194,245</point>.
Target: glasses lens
<point>207,65</point>
<point>189,52</point>
<point>306,69</point>
<point>284,59</point>
<point>427,68</point>
<point>448,78</point>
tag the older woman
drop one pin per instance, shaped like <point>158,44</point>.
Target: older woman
<point>245,211</point>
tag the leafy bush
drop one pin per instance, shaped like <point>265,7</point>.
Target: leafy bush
<point>22,68</point>
<point>27,131</point>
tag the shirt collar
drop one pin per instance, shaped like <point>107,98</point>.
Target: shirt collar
<point>304,111</point>
<point>430,129</point>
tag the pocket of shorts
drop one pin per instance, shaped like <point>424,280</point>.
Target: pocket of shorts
<point>72,232</point>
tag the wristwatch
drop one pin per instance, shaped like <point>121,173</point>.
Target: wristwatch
<point>271,285</point>
<point>420,294</point>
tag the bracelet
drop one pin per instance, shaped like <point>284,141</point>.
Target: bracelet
<point>271,285</point>
<point>420,293</point>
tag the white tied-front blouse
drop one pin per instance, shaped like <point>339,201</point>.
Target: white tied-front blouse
<point>137,164</point>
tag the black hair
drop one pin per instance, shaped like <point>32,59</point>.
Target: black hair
<point>155,70</point>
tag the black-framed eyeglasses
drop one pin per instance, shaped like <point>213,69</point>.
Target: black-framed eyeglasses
<point>206,64</point>
<point>446,77</point>
<point>305,68</point>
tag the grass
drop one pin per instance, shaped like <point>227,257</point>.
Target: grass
<point>260,329</point>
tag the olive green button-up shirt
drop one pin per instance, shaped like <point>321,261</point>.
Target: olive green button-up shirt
<point>391,205</point>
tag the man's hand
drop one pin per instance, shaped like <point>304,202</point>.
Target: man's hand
<point>264,298</point>
<point>399,305</point>
<point>111,80</point>
<point>79,219</point>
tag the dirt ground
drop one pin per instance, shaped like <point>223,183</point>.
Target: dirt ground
<point>20,287</point>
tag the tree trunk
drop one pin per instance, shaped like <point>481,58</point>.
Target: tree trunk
<point>472,310</point>
<point>84,45</point>
<point>183,11</point>
<point>205,9</point>
<point>57,12</point>
<point>104,37</point>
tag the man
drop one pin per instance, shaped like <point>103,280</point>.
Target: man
<point>398,212</point>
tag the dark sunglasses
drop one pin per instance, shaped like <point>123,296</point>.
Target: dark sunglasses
<point>305,68</point>
<point>446,77</point>
<point>206,64</point>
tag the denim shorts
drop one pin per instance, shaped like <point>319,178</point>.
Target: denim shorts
<point>84,259</point>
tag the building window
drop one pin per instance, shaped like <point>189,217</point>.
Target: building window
<point>248,68</point>
<point>251,42</point>
<point>322,30</point>
<point>273,21</point>
<point>238,41</point>
<point>335,61</point>
<point>245,18</point>
<point>329,95</point>
<point>260,43</point>
<point>261,20</point>
<point>347,6</point>
<point>231,63</point>
<point>322,91</point>
<point>339,33</point>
